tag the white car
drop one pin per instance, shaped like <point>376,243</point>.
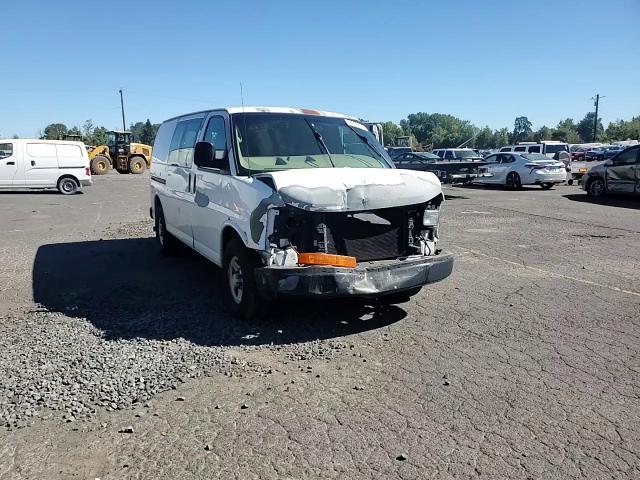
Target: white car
<point>516,169</point>
<point>294,202</point>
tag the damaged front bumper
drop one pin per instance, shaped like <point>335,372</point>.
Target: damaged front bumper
<point>368,279</point>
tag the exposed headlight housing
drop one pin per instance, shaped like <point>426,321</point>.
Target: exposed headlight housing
<point>431,218</point>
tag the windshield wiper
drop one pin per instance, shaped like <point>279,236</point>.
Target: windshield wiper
<point>366,141</point>
<point>320,141</point>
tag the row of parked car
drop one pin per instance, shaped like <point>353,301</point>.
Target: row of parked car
<point>545,164</point>
<point>595,153</point>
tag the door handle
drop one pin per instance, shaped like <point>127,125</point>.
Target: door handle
<point>194,183</point>
<point>11,163</point>
<point>33,163</point>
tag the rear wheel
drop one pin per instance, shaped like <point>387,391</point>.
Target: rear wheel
<point>68,186</point>
<point>241,292</point>
<point>137,165</point>
<point>546,186</point>
<point>513,181</point>
<point>100,165</point>
<point>596,187</point>
<point>167,242</point>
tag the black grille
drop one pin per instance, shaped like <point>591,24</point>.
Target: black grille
<point>372,235</point>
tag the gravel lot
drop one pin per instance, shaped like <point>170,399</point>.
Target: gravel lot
<point>118,363</point>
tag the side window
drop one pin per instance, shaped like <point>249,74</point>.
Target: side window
<point>183,142</point>
<point>627,157</point>
<point>6,150</point>
<point>520,149</point>
<point>163,142</point>
<point>448,154</point>
<point>534,149</point>
<point>505,149</point>
<point>216,133</point>
<point>507,159</point>
<point>491,159</point>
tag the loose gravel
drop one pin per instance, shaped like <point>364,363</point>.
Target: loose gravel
<point>54,364</point>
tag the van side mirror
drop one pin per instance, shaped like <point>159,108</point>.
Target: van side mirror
<point>205,156</point>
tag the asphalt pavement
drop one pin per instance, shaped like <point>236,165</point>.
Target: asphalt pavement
<point>117,363</point>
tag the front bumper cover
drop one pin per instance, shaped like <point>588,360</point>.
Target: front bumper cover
<point>367,279</point>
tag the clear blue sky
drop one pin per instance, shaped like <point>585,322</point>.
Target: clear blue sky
<point>486,62</point>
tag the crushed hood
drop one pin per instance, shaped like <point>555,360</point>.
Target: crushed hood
<point>353,189</point>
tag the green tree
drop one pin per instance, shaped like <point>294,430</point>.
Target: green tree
<point>15,135</point>
<point>87,128</point>
<point>501,137</point>
<point>55,131</point>
<point>98,137</point>
<point>543,133</point>
<point>437,129</point>
<point>521,129</point>
<point>148,135</point>
<point>624,130</point>
<point>484,138</point>
<point>585,127</point>
<point>391,131</point>
<point>74,131</point>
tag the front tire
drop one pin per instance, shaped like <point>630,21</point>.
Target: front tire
<point>513,181</point>
<point>168,243</point>
<point>100,165</point>
<point>241,292</point>
<point>137,165</point>
<point>68,186</point>
<point>596,187</point>
<point>546,186</point>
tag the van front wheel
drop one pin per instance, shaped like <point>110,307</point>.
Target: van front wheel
<point>167,242</point>
<point>68,186</point>
<point>241,292</point>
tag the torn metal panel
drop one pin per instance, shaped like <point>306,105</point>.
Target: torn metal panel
<point>353,189</point>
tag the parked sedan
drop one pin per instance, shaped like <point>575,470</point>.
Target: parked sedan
<point>514,170</point>
<point>603,153</point>
<point>579,153</point>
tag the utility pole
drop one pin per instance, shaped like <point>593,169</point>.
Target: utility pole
<point>124,125</point>
<point>596,102</point>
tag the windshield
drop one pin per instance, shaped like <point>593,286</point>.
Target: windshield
<point>466,154</point>
<point>111,138</point>
<point>269,142</point>
<point>556,148</point>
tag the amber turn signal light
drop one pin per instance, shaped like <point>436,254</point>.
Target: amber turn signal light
<point>326,259</point>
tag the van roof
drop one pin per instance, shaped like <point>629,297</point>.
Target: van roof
<point>37,140</point>
<point>299,111</point>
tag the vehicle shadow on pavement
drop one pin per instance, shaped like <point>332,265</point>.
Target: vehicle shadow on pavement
<point>621,201</point>
<point>126,289</point>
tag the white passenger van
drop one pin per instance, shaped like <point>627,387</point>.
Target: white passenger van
<point>294,202</point>
<point>550,148</point>
<point>40,164</point>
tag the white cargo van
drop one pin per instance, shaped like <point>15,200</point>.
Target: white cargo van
<point>550,148</point>
<point>40,164</point>
<point>295,202</point>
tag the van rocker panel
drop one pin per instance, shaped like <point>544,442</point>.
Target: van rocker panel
<point>367,279</point>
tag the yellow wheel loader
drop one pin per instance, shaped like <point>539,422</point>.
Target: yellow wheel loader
<point>121,153</point>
